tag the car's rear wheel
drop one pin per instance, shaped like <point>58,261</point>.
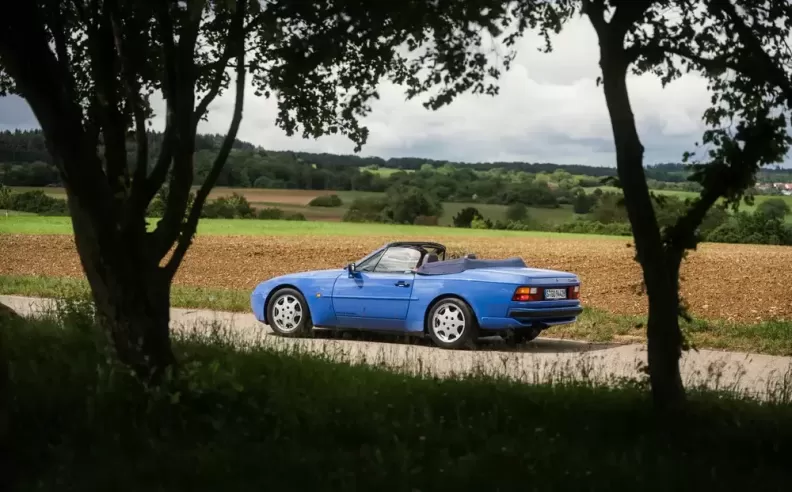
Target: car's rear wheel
<point>451,324</point>
<point>288,314</point>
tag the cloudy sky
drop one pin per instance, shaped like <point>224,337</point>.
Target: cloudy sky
<point>549,110</point>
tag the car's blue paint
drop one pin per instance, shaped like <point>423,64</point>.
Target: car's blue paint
<point>373,301</point>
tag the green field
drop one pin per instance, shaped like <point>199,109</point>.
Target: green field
<point>32,224</point>
<point>293,201</point>
<point>296,201</point>
<point>690,194</point>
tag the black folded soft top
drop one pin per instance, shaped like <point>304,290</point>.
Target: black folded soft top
<point>460,265</point>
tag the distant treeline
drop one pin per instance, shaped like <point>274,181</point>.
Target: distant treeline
<point>25,161</point>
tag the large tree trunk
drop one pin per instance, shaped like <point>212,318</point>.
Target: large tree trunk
<point>7,316</point>
<point>131,293</point>
<point>660,275</point>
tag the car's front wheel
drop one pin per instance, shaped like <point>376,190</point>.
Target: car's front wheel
<point>287,313</point>
<point>451,324</point>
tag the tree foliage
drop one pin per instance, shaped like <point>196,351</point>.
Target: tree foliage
<point>92,72</point>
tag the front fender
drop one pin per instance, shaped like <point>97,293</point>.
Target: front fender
<point>258,299</point>
<point>316,288</point>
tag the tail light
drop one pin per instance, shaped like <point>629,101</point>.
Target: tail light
<point>523,294</point>
<point>527,294</point>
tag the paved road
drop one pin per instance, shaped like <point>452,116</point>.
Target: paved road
<point>542,360</point>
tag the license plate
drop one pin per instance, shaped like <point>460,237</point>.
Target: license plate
<point>555,294</point>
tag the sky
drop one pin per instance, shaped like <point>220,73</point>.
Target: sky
<point>549,110</point>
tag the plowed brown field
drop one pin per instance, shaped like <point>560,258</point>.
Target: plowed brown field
<point>730,282</point>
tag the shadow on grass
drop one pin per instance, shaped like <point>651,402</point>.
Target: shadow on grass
<point>245,416</point>
<point>491,343</point>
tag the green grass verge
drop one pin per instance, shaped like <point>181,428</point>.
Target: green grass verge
<point>224,227</point>
<point>253,418</point>
<point>771,337</point>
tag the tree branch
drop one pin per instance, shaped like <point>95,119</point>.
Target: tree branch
<point>27,58</point>
<point>225,149</point>
<point>595,10</point>
<point>220,66</point>
<point>59,35</point>
<point>627,13</point>
<point>179,66</point>
<point>104,63</point>
<point>217,83</point>
<point>132,87</point>
<point>655,50</point>
<point>773,72</point>
<point>681,235</point>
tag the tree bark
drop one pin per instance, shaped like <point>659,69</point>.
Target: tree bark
<point>131,293</point>
<point>7,315</point>
<point>660,275</point>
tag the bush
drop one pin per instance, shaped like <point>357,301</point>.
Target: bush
<point>582,203</point>
<point>582,226</point>
<point>403,204</point>
<point>609,208</point>
<point>235,206</point>
<point>157,206</point>
<point>516,212</point>
<point>274,213</point>
<point>774,208</point>
<point>34,202</point>
<point>426,220</point>
<point>755,228</point>
<point>366,209</point>
<point>479,223</point>
<point>326,201</point>
<point>269,213</point>
<point>296,216</point>
<point>465,217</point>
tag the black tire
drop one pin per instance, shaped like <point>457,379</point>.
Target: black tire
<point>288,314</point>
<point>445,319</point>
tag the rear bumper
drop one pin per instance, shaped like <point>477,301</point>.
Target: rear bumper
<point>545,314</point>
<point>532,318</point>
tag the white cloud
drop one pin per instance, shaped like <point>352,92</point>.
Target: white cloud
<point>549,110</point>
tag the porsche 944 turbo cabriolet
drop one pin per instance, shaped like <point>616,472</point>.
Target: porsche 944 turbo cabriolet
<point>410,287</point>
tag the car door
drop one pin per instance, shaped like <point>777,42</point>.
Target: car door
<point>377,295</point>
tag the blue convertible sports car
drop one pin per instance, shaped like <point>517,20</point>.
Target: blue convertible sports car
<point>410,287</point>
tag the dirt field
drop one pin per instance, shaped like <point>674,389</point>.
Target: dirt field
<point>286,197</point>
<point>732,282</point>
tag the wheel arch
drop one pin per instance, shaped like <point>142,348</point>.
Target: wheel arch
<point>274,291</point>
<point>437,300</point>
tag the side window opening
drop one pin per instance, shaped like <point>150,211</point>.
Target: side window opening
<point>369,264</point>
<point>398,260</point>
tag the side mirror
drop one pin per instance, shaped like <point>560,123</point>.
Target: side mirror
<point>351,269</point>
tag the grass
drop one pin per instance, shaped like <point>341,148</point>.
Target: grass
<point>250,418</point>
<point>770,337</point>
<point>223,227</point>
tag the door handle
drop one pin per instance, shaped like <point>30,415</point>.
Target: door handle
<point>402,283</point>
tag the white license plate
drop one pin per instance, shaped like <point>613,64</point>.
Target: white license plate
<point>555,294</point>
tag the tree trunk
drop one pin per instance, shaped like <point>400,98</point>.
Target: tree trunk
<point>7,316</point>
<point>131,293</point>
<point>660,275</point>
